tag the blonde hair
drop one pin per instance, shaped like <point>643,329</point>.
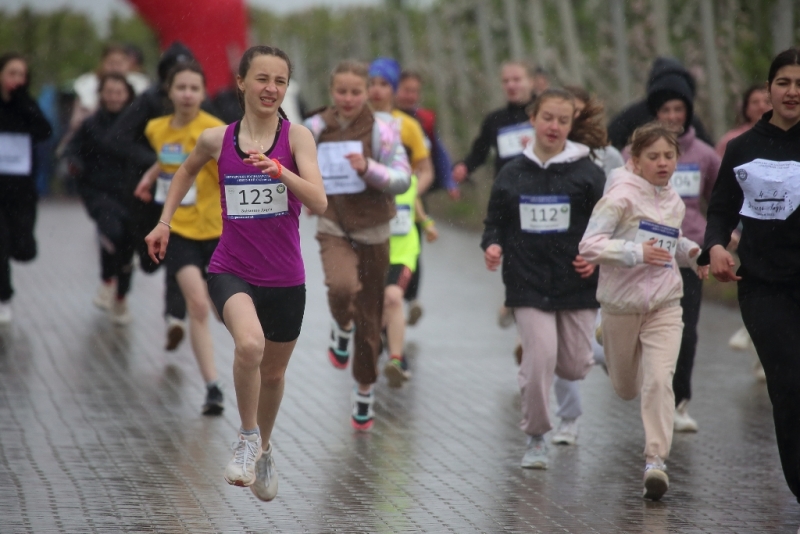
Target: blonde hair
<point>351,66</point>
<point>646,135</point>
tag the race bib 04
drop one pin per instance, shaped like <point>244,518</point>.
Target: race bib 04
<point>401,224</point>
<point>666,236</point>
<point>544,214</point>
<point>512,140</point>
<point>16,153</point>
<point>162,186</point>
<point>771,188</point>
<point>338,176</point>
<point>255,196</point>
<point>687,180</point>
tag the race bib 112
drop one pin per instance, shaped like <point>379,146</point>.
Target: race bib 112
<point>544,214</point>
<point>255,196</point>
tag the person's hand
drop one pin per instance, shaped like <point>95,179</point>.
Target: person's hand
<point>262,163</point>
<point>492,257</point>
<point>702,272</point>
<point>583,267</point>
<point>454,194</point>
<point>460,172</point>
<point>431,233</point>
<point>157,242</point>
<point>734,243</point>
<point>654,255</point>
<point>722,264</point>
<point>358,162</point>
<point>142,191</point>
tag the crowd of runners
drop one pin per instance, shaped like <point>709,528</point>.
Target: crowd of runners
<point>604,232</point>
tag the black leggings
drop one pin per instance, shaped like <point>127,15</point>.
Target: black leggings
<point>17,219</point>
<point>771,313</point>
<point>692,298</point>
<point>117,243</point>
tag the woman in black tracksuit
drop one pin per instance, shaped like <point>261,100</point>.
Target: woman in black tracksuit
<point>106,183</point>
<point>22,124</point>
<point>759,185</point>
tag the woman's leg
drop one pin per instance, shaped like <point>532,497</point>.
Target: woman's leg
<point>539,335</point>
<point>195,293</point>
<point>772,315</point>
<point>660,336</point>
<point>273,369</point>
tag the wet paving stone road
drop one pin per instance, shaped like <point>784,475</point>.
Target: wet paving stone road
<point>100,429</point>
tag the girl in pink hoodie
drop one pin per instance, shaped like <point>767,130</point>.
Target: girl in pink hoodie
<point>634,235</point>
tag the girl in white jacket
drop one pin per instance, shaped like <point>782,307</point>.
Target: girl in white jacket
<point>634,235</point>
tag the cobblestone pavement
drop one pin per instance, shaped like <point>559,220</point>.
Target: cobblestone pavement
<point>100,428</point>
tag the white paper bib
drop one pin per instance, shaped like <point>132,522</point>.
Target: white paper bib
<point>255,196</point>
<point>512,140</point>
<point>401,223</point>
<point>771,188</point>
<point>687,180</point>
<point>338,175</point>
<point>666,236</point>
<point>162,186</point>
<point>544,214</point>
<point>16,153</point>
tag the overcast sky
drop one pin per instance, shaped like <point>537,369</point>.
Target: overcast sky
<point>101,9</point>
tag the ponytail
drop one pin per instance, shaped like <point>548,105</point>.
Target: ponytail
<point>588,128</point>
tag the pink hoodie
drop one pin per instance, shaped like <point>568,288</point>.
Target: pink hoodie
<point>629,206</point>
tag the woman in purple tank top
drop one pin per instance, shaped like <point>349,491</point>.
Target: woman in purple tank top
<point>267,171</point>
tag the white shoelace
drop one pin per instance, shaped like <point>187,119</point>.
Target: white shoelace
<point>245,452</point>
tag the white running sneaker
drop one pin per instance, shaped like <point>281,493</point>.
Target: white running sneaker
<point>536,455</point>
<point>505,317</point>
<point>5,312</point>
<point>683,422</point>
<point>740,340</point>
<point>176,329</point>
<point>105,295</point>
<point>266,485</point>
<point>656,480</point>
<point>567,432</point>
<point>119,312</point>
<point>241,470</point>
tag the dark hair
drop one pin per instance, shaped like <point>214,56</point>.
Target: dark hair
<point>787,57</point>
<point>646,135</point>
<point>183,66</point>
<point>410,75</point>
<point>530,69</point>
<point>746,99</point>
<point>135,53</point>
<point>247,59</point>
<point>8,57</point>
<point>589,127</point>
<point>116,77</point>
<point>114,48</point>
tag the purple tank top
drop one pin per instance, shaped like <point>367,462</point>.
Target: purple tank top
<point>260,240</point>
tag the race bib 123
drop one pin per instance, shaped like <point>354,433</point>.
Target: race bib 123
<point>255,196</point>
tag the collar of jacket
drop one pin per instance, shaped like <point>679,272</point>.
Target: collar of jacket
<point>767,128</point>
<point>572,152</point>
<point>626,175</point>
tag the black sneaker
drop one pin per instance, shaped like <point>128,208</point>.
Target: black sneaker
<point>213,404</point>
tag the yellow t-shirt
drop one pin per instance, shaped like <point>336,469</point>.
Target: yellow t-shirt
<point>200,214</point>
<point>412,137</point>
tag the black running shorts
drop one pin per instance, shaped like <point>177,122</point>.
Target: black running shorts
<point>280,309</point>
<point>399,275</point>
<point>182,252</point>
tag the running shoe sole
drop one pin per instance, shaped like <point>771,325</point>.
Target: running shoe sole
<point>566,439</point>
<point>244,483</point>
<point>655,485</point>
<point>213,409</point>
<point>539,464</point>
<point>337,361</point>
<point>174,338</point>
<point>394,375</point>
<point>362,427</point>
<point>414,315</point>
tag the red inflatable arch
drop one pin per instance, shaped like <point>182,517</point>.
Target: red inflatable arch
<point>214,30</point>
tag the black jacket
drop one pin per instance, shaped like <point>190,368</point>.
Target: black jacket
<point>537,268</point>
<point>21,114</point>
<point>100,170</point>
<point>667,73</point>
<point>769,249</point>
<point>487,138</point>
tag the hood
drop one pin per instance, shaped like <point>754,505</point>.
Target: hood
<point>670,80</point>
<point>572,152</point>
<point>667,66</point>
<point>176,52</point>
<point>625,177</point>
<point>686,140</point>
<point>765,127</point>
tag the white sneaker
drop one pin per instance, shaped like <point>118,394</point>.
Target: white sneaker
<point>567,432</point>
<point>266,485</point>
<point>105,295</point>
<point>241,470</point>
<point>683,422</point>
<point>536,455</point>
<point>119,312</point>
<point>656,480</point>
<point>5,312</point>
<point>505,317</point>
<point>176,329</point>
<point>740,340</point>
